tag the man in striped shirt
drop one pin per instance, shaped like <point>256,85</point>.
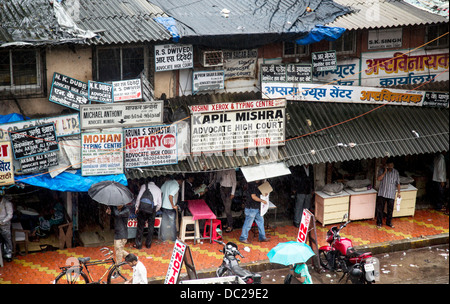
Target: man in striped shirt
<point>389,182</point>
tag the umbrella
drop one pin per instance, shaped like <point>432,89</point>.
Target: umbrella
<point>110,193</point>
<point>290,253</point>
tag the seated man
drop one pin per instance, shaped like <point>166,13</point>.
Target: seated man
<point>48,219</point>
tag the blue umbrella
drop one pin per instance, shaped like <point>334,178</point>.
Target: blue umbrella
<point>290,253</point>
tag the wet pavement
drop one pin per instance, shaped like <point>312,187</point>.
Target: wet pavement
<point>423,229</point>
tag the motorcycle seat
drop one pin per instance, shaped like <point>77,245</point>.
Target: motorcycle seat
<point>241,272</point>
<point>352,253</point>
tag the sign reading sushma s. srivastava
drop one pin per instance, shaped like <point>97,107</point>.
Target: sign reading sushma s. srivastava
<point>240,125</point>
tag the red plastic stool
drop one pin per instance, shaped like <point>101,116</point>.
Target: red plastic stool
<point>215,224</point>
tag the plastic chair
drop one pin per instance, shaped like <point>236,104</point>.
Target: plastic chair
<point>215,223</point>
<point>184,234</point>
<point>19,236</point>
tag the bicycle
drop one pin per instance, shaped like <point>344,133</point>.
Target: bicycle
<point>75,274</point>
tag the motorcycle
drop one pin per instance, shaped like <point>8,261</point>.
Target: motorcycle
<point>230,265</point>
<point>339,255</point>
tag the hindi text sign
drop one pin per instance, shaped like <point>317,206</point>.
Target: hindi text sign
<point>170,57</point>
<point>6,164</point>
<point>35,140</point>
<point>68,91</point>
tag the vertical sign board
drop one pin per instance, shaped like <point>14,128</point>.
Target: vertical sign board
<point>151,146</point>
<point>68,91</point>
<point>176,262</point>
<point>127,90</point>
<point>324,61</point>
<point>100,92</point>
<point>6,164</point>
<point>101,153</point>
<point>304,226</point>
<point>170,57</point>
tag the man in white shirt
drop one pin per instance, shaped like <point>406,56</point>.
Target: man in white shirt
<point>170,189</point>
<point>6,214</point>
<point>139,270</point>
<point>227,181</point>
<point>145,214</point>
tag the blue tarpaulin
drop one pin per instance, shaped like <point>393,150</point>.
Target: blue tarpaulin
<point>10,118</point>
<point>171,26</point>
<point>68,181</point>
<point>321,32</point>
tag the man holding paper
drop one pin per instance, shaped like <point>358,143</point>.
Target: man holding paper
<point>252,212</point>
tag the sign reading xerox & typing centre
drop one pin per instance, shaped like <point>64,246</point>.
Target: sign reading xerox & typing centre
<point>121,114</point>
<point>229,126</point>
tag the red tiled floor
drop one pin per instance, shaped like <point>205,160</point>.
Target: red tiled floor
<point>42,267</point>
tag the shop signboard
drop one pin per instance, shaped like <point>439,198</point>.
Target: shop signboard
<point>347,94</point>
<point>100,92</point>
<point>304,226</point>
<point>34,141</point>
<point>324,61</point>
<point>176,263</point>
<point>68,91</point>
<point>436,99</point>
<point>208,80</point>
<point>101,153</point>
<point>402,67</point>
<point>151,146</point>
<point>38,163</point>
<point>233,126</point>
<point>385,38</point>
<point>291,72</point>
<point>170,57</point>
<point>240,63</point>
<point>346,73</point>
<point>273,72</point>
<point>6,164</point>
<point>124,90</point>
<point>66,125</point>
<point>121,114</point>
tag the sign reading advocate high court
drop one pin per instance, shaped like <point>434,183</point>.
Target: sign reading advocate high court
<point>231,126</point>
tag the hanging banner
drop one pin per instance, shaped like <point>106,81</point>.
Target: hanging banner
<point>34,141</point>
<point>207,81</point>
<point>100,92</point>
<point>66,125</point>
<point>230,130</point>
<point>151,146</point>
<point>121,114</point>
<point>176,262</point>
<point>6,164</point>
<point>240,64</point>
<point>68,91</point>
<point>174,57</point>
<point>304,226</point>
<point>127,90</point>
<point>390,68</point>
<point>101,153</point>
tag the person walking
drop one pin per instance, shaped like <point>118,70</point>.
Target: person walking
<point>303,188</point>
<point>139,270</point>
<point>227,181</point>
<point>170,189</point>
<point>146,212</point>
<point>300,273</point>
<point>6,214</point>
<point>439,180</point>
<point>253,213</point>
<point>389,182</point>
<point>121,214</point>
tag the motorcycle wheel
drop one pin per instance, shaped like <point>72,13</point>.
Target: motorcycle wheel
<point>323,259</point>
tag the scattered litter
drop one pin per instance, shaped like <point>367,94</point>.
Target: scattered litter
<point>148,257</point>
<point>386,255</point>
<point>412,265</point>
<point>328,275</point>
<point>445,255</point>
<point>393,265</point>
<point>404,253</point>
<point>386,271</point>
<point>246,249</point>
<point>273,280</point>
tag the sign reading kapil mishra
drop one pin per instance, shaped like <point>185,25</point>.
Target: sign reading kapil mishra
<point>150,146</point>
<point>101,153</point>
<point>229,126</point>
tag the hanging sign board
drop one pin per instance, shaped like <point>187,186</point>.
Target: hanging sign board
<point>150,146</point>
<point>35,140</point>
<point>207,80</point>
<point>6,164</point>
<point>68,91</point>
<point>100,92</point>
<point>304,226</point>
<point>173,57</point>
<point>121,114</point>
<point>38,163</point>
<point>324,61</point>
<point>65,125</point>
<point>273,72</point>
<point>101,153</point>
<point>127,90</point>
<point>240,63</point>
<point>436,99</point>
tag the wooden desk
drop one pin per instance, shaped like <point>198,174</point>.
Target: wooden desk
<point>408,203</point>
<point>200,211</point>
<point>331,209</point>
<point>362,204</point>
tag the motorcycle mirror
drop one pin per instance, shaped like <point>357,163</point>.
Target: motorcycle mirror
<point>345,217</point>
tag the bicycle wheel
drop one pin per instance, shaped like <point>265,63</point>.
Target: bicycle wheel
<point>118,275</point>
<point>72,278</point>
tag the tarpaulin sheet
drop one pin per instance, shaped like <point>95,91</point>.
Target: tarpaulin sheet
<point>320,33</point>
<point>171,26</point>
<point>68,181</point>
<point>10,118</point>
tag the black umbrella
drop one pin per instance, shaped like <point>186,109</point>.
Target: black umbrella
<point>110,193</point>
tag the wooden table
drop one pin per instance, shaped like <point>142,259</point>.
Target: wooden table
<point>330,209</point>
<point>362,204</point>
<point>201,211</point>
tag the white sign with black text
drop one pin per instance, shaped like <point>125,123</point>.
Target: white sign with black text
<point>170,57</point>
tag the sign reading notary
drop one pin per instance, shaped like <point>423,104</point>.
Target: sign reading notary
<point>35,140</point>
<point>121,114</point>
<point>173,57</point>
<point>150,146</point>
<point>68,91</point>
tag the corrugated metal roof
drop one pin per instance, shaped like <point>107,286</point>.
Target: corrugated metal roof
<point>387,131</point>
<point>122,21</point>
<point>383,14</point>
